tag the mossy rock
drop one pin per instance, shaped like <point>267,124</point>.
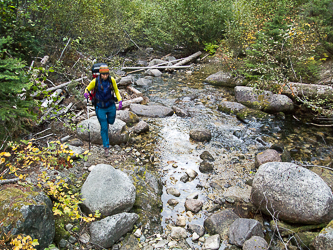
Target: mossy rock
<point>25,211</point>
<point>250,115</point>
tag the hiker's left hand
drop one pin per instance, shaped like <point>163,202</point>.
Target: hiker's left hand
<point>120,105</point>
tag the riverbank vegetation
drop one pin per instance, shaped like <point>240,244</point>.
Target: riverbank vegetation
<point>261,41</point>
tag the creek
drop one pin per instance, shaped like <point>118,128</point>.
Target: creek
<point>234,144</point>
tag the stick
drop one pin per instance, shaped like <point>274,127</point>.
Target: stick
<point>64,49</point>
<point>9,181</point>
<point>132,40</point>
<point>156,65</point>
<point>40,138</point>
<point>135,91</point>
<point>55,94</point>
<point>42,132</point>
<point>129,102</point>
<point>31,65</point>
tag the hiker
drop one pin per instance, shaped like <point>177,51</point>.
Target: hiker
<point>102,90</point>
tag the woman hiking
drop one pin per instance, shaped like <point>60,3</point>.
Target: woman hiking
<point>103,89</point>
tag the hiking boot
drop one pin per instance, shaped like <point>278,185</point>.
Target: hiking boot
<point>106,153</point>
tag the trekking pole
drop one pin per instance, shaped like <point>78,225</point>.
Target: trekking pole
<point>88,122</point>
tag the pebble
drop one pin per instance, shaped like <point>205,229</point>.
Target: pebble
<point>138,233</point>
<point>84,238</point>
<point>195,236</point>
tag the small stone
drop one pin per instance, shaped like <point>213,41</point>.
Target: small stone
<point>69,227</point>
<point>161,244</point>
<point>184,178</point>
<point>193,196</point>
<point>189,214</point>
<point>195,236</point>
<point>181,221</point>
<point>173,202</point>
<point>72,239</point>
<point>193,205</point>
<point>191,173</point>
<point>172,244</point>
<point>84,238</point>
<point>63,243</point>
<point>178,233</point>
<point>202,239</point>
<point>91,168</point>
<point>174,165</point>
<point>138,233</point>
<point>173,191</point>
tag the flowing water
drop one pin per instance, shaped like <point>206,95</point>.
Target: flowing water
<point>233,145</point>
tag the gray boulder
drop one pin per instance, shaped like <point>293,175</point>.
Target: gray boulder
<point>180,112</point>
<point>220,222</point>
<point>125,81</point>
<point>76,151</point>
<point>230,107</point>
<point>263,100</point>
<point>108,230</point>
<point>255,243</point>
<point>206,167</point>
<point>118,132</point>
<point>221,79</point>
<point>143,82</point>
<point>243,229</point>
<point>296,194</point>
<point>193,205</point>
<point>269,155</point>
<point>156,61</point>
<point>195,228</point>
<point>23,211</point>
<point>200,135</point>
<point>127,116</point>
<point>141,127</point>
<point>151,110</point>
<point>248,115</point>
<point>153,72</point>
<point>108,190</point>
<point>212,242</point>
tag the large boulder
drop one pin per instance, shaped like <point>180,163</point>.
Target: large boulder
<point>263,100</point>
<point>220,222</point>
<point>23,211</point>
<point>128,117</point>
<point>230,107</point>
<point>324,241</point>
<point>200,135</point>
<point>248,115</point>
<point>222,79</point>
<point>125,81</point>
<point>118,132</point>
<point>108,190</point>
<point>108,230</point>
<point>151,110</point>
<point>269,155</point>
<point>296,194</point>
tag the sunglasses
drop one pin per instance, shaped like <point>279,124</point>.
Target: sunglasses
<point>105,74</point>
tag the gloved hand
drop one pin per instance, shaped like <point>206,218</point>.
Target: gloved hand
<point>120,105</point>
<point>86,95</point>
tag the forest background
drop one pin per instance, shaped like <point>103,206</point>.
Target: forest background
<point>260,40</point>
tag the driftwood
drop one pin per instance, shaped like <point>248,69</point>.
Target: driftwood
<point>64,49</point>
<point>157,67</point>
<point>50,110</point>
<point>64,139</point>
<point>129,102</point>
<point>134,91</point>
<point>55,94</point>
<point>2,182</point>
<point>65,84</point>
<point>188,59</point>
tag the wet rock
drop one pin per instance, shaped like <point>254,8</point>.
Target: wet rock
<point>130,243</point>
<point>243,229</point>
<point>185,178</point>
<point>180,112</point>
<point>219,222</point>
<point>141,127</point>
<point>195,228</point>
<point>157,61</point>
<point>195,236</point>
<point>23,211</point>
<point>193,205</point>
<point>127,116</point>
<point>75,142</point>
<point>178,233</point>
<point>138,233</point>
<point>221,79</point>
<point>84,238</point>
<point>143,82</point>
<point>212,242</point>
<point>200,135</point>
<point>125,81</point>
<point>263,100</point>
<point>153,72</point>
<point>151,111</point>
<point>191,173</point>
<point>108,230</point>
<point>230,107</point>
<point>173,191</point>
<point>194,195</point>
<point>247,115</point>
<point>117,132</point>
<point>173,202</point>
<point>143,63</point>
<point>161,244</point>
<point>181,221</point>
<point>108,190</point>
<point>303,197</point>
<point>206,167</point>
<point>255,243</point>
<point>269,155</point>
<point>207,156</point>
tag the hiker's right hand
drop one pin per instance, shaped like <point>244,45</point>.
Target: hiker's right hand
<point>86,95</point>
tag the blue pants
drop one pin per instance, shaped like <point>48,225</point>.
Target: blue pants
<point>105,117</point>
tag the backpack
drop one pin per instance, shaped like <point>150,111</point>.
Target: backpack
<point>92,95</point>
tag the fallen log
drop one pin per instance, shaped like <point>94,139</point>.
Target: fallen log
<point>129,102</point>
<point>157,67</point>
<point>2,182</point>
<point>134,91</point>
<point>65,84</point>
<point>50,110</point>
<point>55,94</point>
<point>188,59</point>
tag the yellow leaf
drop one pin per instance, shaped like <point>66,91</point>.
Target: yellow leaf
<point>2,160</point>
<point>86,152</point>
<point>6,154</point>
<point>35,242</point>
<point>57,212</point>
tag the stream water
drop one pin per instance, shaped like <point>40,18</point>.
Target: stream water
<point>233,145</point>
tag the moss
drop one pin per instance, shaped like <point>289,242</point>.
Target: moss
<point>60,231</point>
<point>11,201</point>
